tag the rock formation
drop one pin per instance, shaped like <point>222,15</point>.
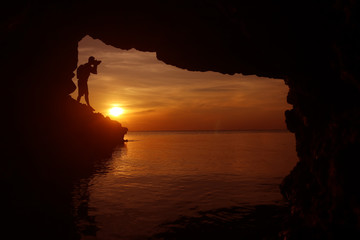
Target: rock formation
<point>312,45</point>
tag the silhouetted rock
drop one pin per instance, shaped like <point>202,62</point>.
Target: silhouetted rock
<point>64,144</point>
<point>313,45</point>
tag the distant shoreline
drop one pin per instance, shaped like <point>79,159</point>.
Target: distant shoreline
<point>214,131</point>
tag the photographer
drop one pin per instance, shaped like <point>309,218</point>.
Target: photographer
<point>83,73</point>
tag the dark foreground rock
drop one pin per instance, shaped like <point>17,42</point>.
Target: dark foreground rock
<point>64,144</point>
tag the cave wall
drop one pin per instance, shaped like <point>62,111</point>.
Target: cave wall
<point>312,45</point>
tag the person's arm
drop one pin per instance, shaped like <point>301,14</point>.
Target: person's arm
<point>93,69</point>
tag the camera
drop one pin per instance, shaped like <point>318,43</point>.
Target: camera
<point>97,62</point>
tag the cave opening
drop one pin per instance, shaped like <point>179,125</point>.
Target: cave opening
<point>156,96</point>
<point>232,170</point>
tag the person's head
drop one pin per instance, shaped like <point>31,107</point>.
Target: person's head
<point>91,59</point>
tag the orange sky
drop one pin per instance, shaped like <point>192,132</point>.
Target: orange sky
<point>157,96</point>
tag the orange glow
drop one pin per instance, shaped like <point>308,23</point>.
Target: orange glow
<point>116,111</point>
<point>157,96</point>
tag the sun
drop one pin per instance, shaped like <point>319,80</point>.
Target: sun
<point>116,111</point>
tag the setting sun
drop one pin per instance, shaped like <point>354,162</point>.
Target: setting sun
<point>116,111</point>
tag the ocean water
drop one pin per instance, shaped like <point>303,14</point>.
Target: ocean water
<point>166,184</point>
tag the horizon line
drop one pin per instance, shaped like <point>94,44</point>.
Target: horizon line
<point>210,130</point>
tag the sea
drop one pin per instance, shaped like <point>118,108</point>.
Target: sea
<point>187,185</point>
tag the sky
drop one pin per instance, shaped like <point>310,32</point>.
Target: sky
<point>156,96</point>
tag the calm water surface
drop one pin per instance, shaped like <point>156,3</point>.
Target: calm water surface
<point>159,177</point>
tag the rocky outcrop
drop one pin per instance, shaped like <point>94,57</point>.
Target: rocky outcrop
<point>312,45</point>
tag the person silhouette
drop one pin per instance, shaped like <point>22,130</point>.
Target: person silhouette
<point>82,74</point>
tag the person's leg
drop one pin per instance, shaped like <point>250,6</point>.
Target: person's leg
<point>79,92</point>
<point>87,99</point>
